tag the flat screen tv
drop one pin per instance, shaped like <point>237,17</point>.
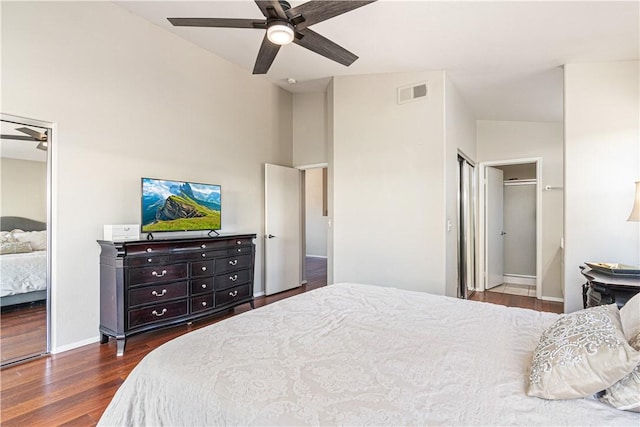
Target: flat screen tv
<point>179,206</point>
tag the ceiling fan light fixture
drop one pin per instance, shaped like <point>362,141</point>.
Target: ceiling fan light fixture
<point>280,33</point>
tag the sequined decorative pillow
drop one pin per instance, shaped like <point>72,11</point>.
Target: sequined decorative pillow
<point>580,354</point>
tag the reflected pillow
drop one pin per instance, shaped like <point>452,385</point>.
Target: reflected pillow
<point>37,239</point>
<point>580,354</point>
<point>14,248</point>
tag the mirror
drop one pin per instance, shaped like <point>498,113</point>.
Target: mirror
<point>24,238</point>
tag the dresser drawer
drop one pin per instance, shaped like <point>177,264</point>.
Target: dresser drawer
<point>202,303</point>
<point>243,241</point>
<point>157,273</point>
<point>157,313</point>
<point>200,286</point>
<point>202,268</point>
<point>157,293</point>
<point>231,279</point>
<point>229,296</point>
<point>148,248</point>
<point>204,245</point>
<point>139,261</point>
<point>233,263</point>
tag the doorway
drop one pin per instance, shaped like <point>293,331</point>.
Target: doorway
<point>511,233</point>
<point>315,226</point>
<point>466,227</point>
<point>25,255</point>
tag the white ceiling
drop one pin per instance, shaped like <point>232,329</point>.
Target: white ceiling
<point>505,57</point>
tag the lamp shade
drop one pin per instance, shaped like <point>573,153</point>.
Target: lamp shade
<point>635,212</point>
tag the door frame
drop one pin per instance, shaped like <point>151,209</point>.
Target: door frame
<point>482,247</point>
<point>303,222</point>
<point>51,221</point>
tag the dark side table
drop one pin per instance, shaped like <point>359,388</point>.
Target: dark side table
<point>602,288</point>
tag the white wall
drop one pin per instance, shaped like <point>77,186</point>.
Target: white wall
<point>460,135</point>
<point>23,189</point>
<point>388,182</point>
<point>498,141</point>
<point>315,221</point>
<point>309,128</point>
<point>602,161</point>
<point>132,100</point>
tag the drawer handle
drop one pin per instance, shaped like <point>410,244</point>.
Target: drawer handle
<point>233,278</point>
<point>149,260</point>
<point>233,294</point>
<point>234,262</point>
<point>239,242</point>
<point>161,294</point>
<point>149,249</point>
<point>155,273</point>
<point>204,286</point>
<point>204,255</point>
<point>155,313</point>
<point>203,246</point>
<point>204,268</point>
<point>204,303</point>
<point>239,250</point>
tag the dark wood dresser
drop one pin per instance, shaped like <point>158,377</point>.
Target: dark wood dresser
<point>146,285</point>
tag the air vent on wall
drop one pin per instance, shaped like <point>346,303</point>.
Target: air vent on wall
<point>412,92</point>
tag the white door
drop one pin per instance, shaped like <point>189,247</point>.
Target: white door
<point>283,228</point>
<point>494,227</point>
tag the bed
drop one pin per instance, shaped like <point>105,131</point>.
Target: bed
<point>353,354</point>
<point>23,271</point>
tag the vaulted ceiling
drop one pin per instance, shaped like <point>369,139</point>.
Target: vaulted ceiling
<point>505,57</point>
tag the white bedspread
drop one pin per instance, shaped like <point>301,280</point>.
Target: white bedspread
<point>22,273</point>
<point>353,354</point>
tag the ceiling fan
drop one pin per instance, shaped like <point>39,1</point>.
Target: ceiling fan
<point>284,25</point>
<point>31,135</point>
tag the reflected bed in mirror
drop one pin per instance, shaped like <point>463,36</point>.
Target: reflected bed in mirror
<point>23,287</point>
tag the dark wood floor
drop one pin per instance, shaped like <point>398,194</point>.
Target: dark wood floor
<point>23,331</point>
<point>518,301</point>
<point>74,387</point>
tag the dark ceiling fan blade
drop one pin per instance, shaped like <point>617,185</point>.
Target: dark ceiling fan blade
<point>271,9</point>
<point>34,134</point>
<point>321,10</point>
<point>217,22</point>
<point>325,47</point>
<point>266,55</point>
<point>18,137</point>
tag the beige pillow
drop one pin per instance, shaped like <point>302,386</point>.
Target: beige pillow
<point>37,239</point>
<point>625,394</point>
<point>580,354</point>
<point>630,318</point>
<point>14,248</point>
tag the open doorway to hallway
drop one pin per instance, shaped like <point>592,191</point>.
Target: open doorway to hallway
<point>316,226</point>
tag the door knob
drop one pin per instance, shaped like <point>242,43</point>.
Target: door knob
<point>270,236</point>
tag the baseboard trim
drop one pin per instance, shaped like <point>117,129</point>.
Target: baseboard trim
<point>72,346</point>
<point>259,294</point>
<point>517,279</point>
<point>554,299</point>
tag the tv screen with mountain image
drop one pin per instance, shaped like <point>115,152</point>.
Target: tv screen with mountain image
<point>179,206</point>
